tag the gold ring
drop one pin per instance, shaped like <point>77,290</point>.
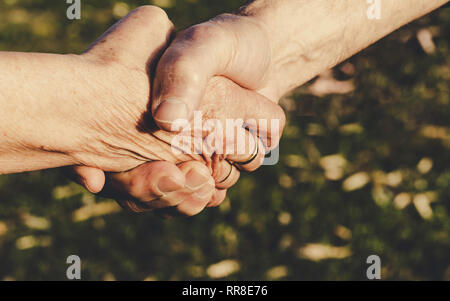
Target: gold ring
<point>229,174</point>
<point>253,157</point>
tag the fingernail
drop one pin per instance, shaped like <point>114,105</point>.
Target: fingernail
<point>169,184</point>
<point>170,110</point>
<point>195,180</point>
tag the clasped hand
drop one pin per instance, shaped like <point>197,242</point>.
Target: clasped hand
<point>153,81</point>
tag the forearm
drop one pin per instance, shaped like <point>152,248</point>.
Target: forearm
<point>308,37</point>
<point>61,110</point>
<point>39,108</point>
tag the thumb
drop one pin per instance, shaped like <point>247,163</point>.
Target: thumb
<point>91,178</point>
<point>255,112</point>
<point>232,46</point>
<point>142,34</point>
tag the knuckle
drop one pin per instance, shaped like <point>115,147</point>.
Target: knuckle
<point>171,202</point>
<point>134,186</point>
<point>154,14</point>
<point>202,32</point>
<point>151,11</point>
<point>281,116</point>
<point>141,189</point>
<point>177,64</point>
<point>219,91</point>
<point>135,192</point>
<point>183,65</point>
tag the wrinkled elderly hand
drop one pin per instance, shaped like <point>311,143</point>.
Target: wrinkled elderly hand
<point>233,46</point>
<point>144,172</point>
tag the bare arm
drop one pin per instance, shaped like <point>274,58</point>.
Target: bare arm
<point>41,101</point>
<point>271,46</point>
<point>308,37</point>
<point>60,110</point>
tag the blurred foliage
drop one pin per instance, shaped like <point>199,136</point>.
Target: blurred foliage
<point>362,171</point>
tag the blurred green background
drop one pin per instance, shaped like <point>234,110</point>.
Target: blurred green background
<point>364,169</point>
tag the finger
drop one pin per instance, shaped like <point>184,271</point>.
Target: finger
<point>229,45</point>
<point>196,201</point>
<point>203,196</point>
<point>91,178</point>
<point>147,184</point>
<point>237,107</point>
<point>218,198</point>
<point>193,205</point>
<point>151,28</point>
<point>249,152</point>
<point>200,185</point>
<point>197,174</point>
<point>225,175</point>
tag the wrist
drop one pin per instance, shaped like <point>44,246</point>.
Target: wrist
<point>301,46</point>
<point>39,98</point>
<point>69,101</point>
<point>68,107</point>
